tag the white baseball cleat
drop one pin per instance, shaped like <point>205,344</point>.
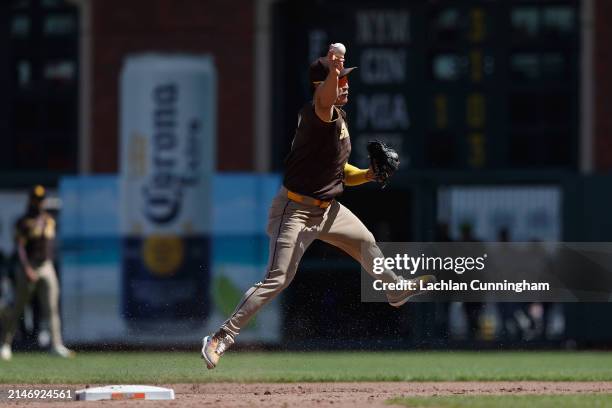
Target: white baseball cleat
<point>62,351</point>
<point>213,348</point>
<point>6,353</point>
<point>398,298</point>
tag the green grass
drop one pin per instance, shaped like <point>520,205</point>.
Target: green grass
<point>175,367</point>
<point>507,401</point>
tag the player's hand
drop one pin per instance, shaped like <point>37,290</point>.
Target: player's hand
<point>30,274</point>
<point>335,63</point>
<point>370,176</point>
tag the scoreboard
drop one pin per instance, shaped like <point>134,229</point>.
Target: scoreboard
<point>451,84</point>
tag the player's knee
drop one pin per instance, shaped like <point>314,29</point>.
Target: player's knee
<point>278,283</point>
<point>284,281</point>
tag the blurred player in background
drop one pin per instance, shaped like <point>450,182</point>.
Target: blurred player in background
<point>305,209</point>
<point>35,240</point>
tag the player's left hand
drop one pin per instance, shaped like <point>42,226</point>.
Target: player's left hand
<point>370,176</point>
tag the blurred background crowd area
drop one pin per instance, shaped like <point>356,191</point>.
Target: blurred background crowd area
<point>501,111</point>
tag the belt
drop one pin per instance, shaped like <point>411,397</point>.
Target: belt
<point>307,200</point>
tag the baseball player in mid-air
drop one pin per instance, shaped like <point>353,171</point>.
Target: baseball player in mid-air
<point>305,208</point>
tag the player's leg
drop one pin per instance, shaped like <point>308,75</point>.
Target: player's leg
<point>344,230</point>
<point>23,292</point>
<point>292,227</point>
<point>48,296</point>
<point>289,239</point>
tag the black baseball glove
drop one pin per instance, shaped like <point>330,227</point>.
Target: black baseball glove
<point>383,160</point>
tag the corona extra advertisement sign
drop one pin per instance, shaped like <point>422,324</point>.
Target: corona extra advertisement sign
<point>168,111</point>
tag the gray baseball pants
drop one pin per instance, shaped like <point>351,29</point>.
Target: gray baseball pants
<point>292,227</point>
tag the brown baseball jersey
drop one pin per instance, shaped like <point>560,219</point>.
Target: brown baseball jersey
<point>37,232</point>
<point>315,164</point>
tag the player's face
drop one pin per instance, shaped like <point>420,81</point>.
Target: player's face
<point>36,204</point>
<point>343,88</point>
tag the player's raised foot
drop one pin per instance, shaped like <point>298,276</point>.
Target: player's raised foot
<point>397,298</point>
<point>6,354</point>
<point>214,346</point>
<point>62,351</point>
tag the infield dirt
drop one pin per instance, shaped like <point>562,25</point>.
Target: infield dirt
<point>353,395</point>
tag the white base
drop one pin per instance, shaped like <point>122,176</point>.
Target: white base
<point>125,392</point>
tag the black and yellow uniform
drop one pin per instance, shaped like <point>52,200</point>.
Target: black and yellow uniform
<point>35,232</point>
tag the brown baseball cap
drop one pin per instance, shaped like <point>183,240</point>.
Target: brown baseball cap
<point>318,70</point>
